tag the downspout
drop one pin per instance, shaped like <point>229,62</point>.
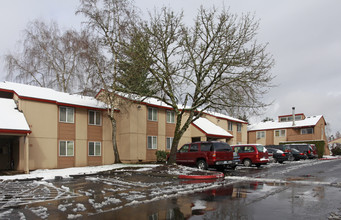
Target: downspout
<point>26,154</point>
<point>293,116</point>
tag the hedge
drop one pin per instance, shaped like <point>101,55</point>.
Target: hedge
<point>318,144</point>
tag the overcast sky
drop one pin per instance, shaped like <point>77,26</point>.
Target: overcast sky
<point>304,38</point>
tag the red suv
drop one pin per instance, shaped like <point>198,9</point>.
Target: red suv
<point>252,154</point>
<point>207,154</point>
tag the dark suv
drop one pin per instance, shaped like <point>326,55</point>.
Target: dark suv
<point>206,154</point>
<point>304,148</point>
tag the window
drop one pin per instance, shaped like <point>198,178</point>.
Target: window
<point>152,142</point>
<point>239,127</point>
<point>66,114</point>
<point>169,142</point>
<point>94,148</point>
<point>152,114</point>
<point>279,133</point>
<point>206,147</point>
<point>66,148</point>
<point>230,126</point>
<point>307,131</point>
<point>170,116</point>
<point>184,149</point>
<point>194,148</point>
<point>94,118</point>
<point>260,134</point>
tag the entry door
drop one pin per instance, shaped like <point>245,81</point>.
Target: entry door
<point>5,154</point>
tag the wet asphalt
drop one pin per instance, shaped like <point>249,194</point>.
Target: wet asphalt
<point>294,190</point>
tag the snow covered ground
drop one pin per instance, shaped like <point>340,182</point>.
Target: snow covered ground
<point>50,174</point>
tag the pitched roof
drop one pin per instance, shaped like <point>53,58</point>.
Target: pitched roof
<point>269,125</point>
<point>49,95</point>
<point>13,121</point>
<point>210,129</point>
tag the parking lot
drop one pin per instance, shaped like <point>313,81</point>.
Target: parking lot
<point>129,192</point>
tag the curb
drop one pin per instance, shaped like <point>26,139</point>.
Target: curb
<point>329,158</point>
<point>202,177</point>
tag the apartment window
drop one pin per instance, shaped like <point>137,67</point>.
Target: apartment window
<point>279,133</point>
<point>66,148</point>
<point>169,142</point>
<point>230,126</point>
<point>66,114</point>
<point>152,114</point>
<point>152,142</point>
<point>94,118</point>
<point>170,116</point>
<point>94,148</point>
<point>307,131</point>
<point>239,127</point>
<point>260,134</point>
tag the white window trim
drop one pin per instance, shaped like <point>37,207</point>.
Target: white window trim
<point>153,147</point>
<point>100,117</point>
<point>73,114</point>
<point>100,148</point>
<point>239,125</point>
<point>306,130</point>
<point>279,130</point>
<point>66,143</point>
<point>228,125</point>
<point>171,118</point>
<point>171,142</point>
<point>154,111</point>
<point>262,136</point>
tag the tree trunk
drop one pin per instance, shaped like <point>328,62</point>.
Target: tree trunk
<point>114,142</point>
<point>178,133</point>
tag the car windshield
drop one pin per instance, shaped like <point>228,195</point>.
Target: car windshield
<point>260,148</point>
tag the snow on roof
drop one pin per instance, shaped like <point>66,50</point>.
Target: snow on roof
<point>28,91</point>
<point>209,128</point>
<point>220,115</point>
<point>12,118</point>
<point>268,125</point>
<point>156,102</point>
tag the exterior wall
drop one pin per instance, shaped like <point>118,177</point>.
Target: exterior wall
<point>43,145</point>
<point>238,137</point>
<point>291,134</point>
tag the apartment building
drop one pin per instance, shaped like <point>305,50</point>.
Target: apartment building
<point>50,129</point>
<point>289,128</point>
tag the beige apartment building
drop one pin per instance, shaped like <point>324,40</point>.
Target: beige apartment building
<point>50,129</point>
<point>286,129</point>
<point>147,126</point>
<point>42,128</point>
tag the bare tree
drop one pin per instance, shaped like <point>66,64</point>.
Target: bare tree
<point>111,21</point>
<point>214,64</point>
<point>50,58</point>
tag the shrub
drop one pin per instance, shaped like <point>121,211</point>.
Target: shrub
<point>161,156</point>
<point>336,151</point>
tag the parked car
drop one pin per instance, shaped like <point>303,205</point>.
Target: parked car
<point>284,148</point>
<point>206,154</point>
<point>252,154</point>
<point>313,151</point>
<point>298,155</point>
<point>277,155</point>
<point>303,148</point>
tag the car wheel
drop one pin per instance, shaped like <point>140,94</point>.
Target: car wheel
<point>202,165</point>
<point>291,158</point>
<point>247,162</point>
